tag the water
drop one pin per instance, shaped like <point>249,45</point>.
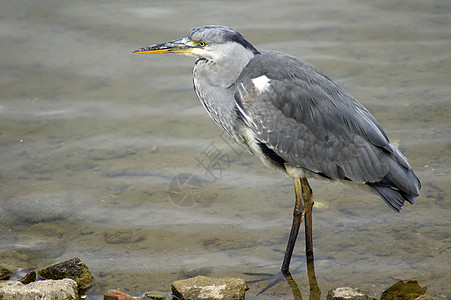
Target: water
<point>92,136</point>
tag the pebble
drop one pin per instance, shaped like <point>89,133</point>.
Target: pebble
<point>117,295</point>
<point>29,277</point>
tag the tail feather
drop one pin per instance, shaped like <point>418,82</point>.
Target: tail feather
<point>397,187</point>
<point>394,198</point>
<point>403,179</point>
<point>400,184</point>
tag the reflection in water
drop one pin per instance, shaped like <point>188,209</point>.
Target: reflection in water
<point>399,290</point>
<point>404,290</point>
<point>293,286</point>
<point>315,292</point>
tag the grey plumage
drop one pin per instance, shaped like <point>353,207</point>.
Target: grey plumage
<point>294,117</point>
<point>304,117</point>
<point>311,122</point>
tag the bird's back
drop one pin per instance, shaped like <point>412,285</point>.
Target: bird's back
<point>299,117</point>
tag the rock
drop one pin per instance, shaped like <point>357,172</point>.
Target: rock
<point>5,272</point>
<point>64,289</point>
<point>347,293</point>
<point>42,205</point>
<point>404,290</point>
<point>33,250</point>
<point>29,277</point>
<point>156,295</point>
<point>122,236</point>
<point>73,268</point>
<point>424,297</point>
<point>117,295</point>
<point>209,288</point>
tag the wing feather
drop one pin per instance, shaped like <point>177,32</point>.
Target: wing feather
<point>308,120</point>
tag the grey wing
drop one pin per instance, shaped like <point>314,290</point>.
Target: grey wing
<point>310,122</point>
<point>307,130</point>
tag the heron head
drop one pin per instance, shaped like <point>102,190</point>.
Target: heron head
<point>213,42</point>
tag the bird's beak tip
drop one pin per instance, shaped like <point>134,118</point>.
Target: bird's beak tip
<point>142,50</point>
<point>176,46</point>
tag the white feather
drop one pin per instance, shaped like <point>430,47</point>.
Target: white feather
<point>261,83</point>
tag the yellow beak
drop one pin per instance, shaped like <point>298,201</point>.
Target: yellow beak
<point>183,45</point>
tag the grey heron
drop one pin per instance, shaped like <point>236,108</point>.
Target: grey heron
<point>295,118</point>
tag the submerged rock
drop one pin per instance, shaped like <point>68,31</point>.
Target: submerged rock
<point>5,272</point>
<point>404,290</point>
<point>64,289</point>
<point>40,206</point>
<point>122,236</point>
<point>347,293</point>
<point>74,269</point>
<point>201,287</point>
<point>114,294</point>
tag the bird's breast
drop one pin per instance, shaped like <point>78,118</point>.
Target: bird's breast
<point>217,99</point>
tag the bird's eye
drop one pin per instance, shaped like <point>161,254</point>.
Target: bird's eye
<point>201,43</point>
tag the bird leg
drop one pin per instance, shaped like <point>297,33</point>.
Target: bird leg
<point>302,208</point>
<point>298,217</point>
<point>307,196</point>
<point>315,293</point>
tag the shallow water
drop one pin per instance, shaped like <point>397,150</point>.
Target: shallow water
<point>93,137</point>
